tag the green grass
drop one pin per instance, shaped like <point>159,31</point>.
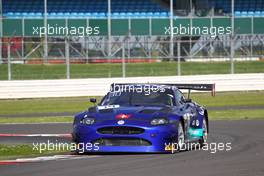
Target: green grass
<point>45,105</point>
<point>236,114</point>
<point>4,120</point>
<point>21,72</point>
<point>23,150</point>
<point>252,98</point>
<point>213,115</point>
<point>77,104</point>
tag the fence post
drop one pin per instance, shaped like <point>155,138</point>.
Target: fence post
<point>171,31</point>
<point>232,70</point>
<point>123,61</point>
<point>1,30</point>
<point>178,57</point>
<point>67,55</point>
<point>46,35</point>
<point>109,23</point>
<point>22,40</point>
<point>9,61</point>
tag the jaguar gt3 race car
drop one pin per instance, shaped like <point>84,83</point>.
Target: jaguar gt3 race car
<point>143,118</point>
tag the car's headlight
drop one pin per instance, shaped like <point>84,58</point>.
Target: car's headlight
<point>159,121</point>
<point>88,121</point>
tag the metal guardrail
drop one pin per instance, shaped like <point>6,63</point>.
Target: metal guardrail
<point>99,86</point>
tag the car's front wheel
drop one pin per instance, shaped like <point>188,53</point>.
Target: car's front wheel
<point>180,138</point>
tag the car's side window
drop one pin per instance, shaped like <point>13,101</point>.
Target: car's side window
<point>179,98</point>
<point>170,99</point>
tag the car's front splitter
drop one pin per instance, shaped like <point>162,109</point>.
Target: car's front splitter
<point>158,138</point>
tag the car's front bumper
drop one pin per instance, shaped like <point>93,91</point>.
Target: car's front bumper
<point>157,136</point>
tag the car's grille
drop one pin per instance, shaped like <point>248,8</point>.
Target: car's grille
<point>122,142</point>
<point>120,130</point>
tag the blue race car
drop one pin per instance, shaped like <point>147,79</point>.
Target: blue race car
<point>142,118</point>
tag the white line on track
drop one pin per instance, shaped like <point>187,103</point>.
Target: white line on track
<point>45,158</point>
<point>41,123</point>
<point>35,135</point>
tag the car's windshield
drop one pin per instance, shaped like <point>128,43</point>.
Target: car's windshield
<point>165,98</point>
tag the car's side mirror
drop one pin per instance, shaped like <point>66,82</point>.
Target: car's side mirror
<point>93,100</point>
<point>188,100</point>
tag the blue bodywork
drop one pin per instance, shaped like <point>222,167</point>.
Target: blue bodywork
<point>111,132</point>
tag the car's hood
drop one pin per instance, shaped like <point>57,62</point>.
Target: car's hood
<point>134,112</point>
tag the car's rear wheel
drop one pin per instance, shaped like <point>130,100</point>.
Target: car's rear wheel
<point>205,133</point>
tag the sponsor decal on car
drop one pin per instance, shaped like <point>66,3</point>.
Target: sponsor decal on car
<point>108,107</point>
<point>121,122</point>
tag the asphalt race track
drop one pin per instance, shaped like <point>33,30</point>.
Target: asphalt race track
<point>246,158</point>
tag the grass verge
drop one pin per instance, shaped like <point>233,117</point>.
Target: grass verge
<point>236,115</point>
<point>23,150</point>
<point>213,115</point>
<point>77,104</point>
<point>5,120</point>
<point>251,98</point>
<point>45,105</point>
<point>22,72</point>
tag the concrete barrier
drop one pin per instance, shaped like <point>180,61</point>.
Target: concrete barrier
<point>99,86</point>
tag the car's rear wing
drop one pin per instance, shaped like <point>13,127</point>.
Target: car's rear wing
<point>199,87</point>
<point>189,87</point>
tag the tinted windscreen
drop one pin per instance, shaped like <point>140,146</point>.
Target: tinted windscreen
<point>139,99</point>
